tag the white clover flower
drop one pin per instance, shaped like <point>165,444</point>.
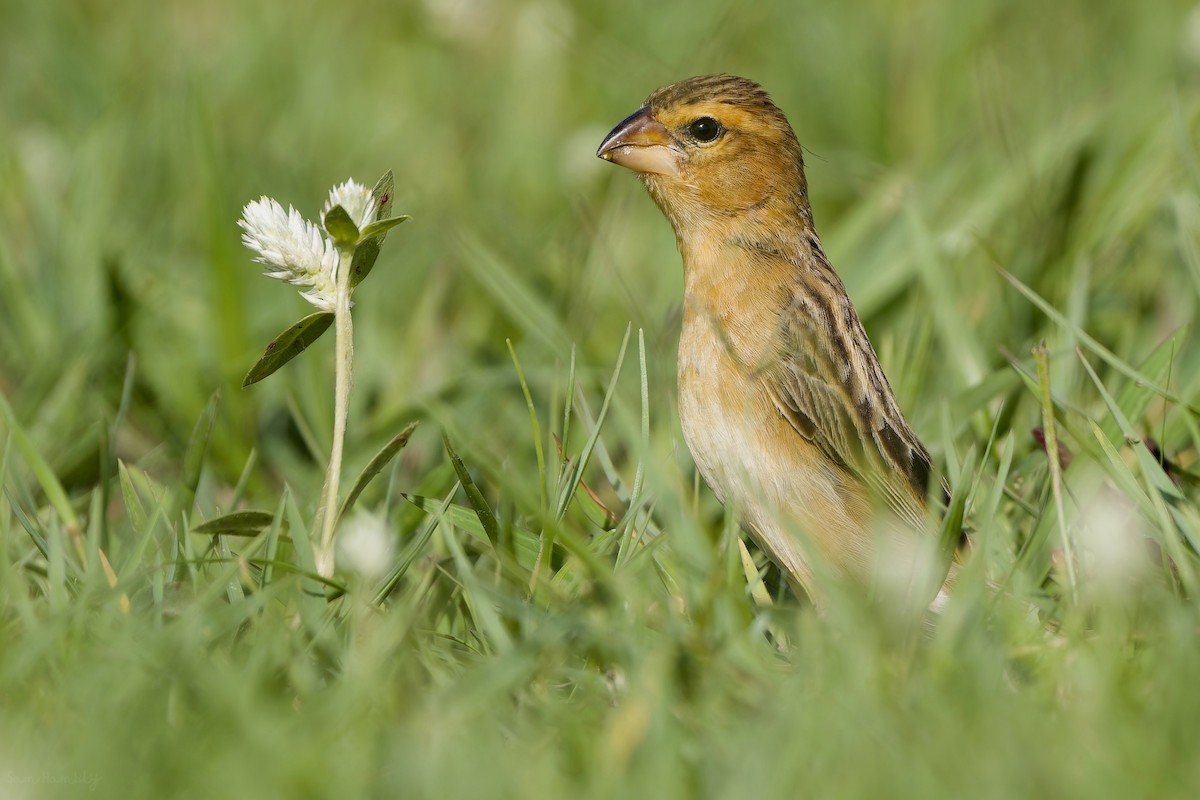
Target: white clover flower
<point>293,250</point>
<point>356,199</point>
<point>365,546</point>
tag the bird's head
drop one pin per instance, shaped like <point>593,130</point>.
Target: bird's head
<point>711,148</point>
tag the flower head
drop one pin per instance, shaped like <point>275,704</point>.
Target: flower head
<point>357,201</point>
<point>293,249</point>
<point>366,546</point>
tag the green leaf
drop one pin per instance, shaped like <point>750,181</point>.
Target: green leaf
<point>289,344</point>
<point>364,259</point>
<point>368,250</point>
<point>239,523</point>
<point>375,466</point>
<point>381,227</point>
<point>486,518</point>
<point>339,225</point>
<point>384,192</point>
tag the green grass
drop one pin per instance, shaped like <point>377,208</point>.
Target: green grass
<point>986,176</point>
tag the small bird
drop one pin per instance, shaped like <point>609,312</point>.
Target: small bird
<point>783,403</point>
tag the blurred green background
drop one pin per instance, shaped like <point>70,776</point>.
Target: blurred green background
<point>944,140</point>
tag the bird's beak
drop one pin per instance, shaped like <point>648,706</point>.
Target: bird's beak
<point>643,144</point>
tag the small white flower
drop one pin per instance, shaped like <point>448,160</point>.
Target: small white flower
<point>1112,540</point>
<point>297,251</point>
<point>365,546</point>
<point>356,199</point>
<point>293,250</point>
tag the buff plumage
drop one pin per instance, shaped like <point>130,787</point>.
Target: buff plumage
<point>782,399</point>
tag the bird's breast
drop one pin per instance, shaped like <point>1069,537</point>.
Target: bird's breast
<point>747,452</point>
<point>736,435</point>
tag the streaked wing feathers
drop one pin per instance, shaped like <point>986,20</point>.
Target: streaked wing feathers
<point>829,386</point>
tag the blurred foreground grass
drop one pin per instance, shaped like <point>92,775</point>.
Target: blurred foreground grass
<point>945,140</point>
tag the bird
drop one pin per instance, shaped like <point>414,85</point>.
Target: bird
<point>782,400</point>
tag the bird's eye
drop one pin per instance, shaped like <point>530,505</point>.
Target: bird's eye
<point>704,129</point>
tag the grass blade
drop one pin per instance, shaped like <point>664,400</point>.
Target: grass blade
<point>1051,432</point>
<point>568,491</point>
<point>41,470</point>
<point>533,422</point>
<point>486,518</point>
<point>374,467</point>
<point>1094,346</point>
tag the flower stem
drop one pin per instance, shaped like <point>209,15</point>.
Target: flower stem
<point>344,368</point>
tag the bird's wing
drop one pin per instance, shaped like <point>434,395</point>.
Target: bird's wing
<point>827,383</point>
